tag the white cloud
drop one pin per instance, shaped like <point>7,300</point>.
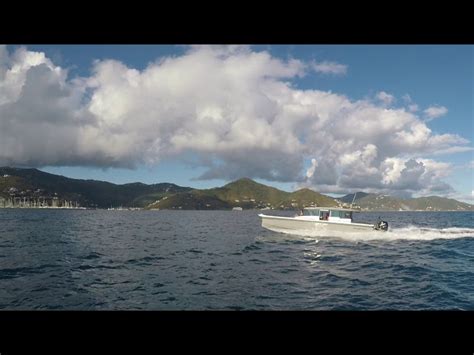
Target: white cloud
<point>467,197</point>
<point>386,98</point>
<point>327,67</point>
<point>433,112</point>
<point>413,108</point>
<point>234,109</point>
<point>452,150</point>
<point>312,168</point>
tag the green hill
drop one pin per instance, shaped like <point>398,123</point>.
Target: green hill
<point>31,187</point>
<point>379,202</point>
<point>192,200</point>
<point>349,198</point>
<point>248,192</point>
<point>306,197</point>
<point>435,203</point>
<point>88,193</point>
<point>244,193</point>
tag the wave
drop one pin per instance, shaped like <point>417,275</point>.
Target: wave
<point>403,233</point>
<point>423,233</point>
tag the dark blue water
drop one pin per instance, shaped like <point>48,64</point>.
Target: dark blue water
<point>156,260</point>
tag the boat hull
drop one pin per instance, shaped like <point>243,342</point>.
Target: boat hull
<point>302,226</point>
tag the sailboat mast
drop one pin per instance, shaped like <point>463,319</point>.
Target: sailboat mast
<point>353,199</point>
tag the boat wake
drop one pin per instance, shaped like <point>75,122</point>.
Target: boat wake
<point>421,233</point>
<point>402,233</point>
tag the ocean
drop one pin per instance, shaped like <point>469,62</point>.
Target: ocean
<point>224,260</point>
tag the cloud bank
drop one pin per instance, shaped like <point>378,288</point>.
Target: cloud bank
<point>235,110</point>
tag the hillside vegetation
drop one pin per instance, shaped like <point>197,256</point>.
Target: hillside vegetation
<point>32,187</point>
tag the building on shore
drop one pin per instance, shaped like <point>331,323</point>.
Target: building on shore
<point>37,202</point>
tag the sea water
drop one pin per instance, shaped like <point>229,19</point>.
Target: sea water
<point>206,260</point>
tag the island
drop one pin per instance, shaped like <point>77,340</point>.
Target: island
<point>33,188</point>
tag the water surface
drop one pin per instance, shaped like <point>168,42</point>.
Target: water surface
<point>157,260</point>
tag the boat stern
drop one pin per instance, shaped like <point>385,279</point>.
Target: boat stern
<point>381,226</point>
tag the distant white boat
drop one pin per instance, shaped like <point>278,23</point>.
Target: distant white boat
<point>320,221</point>
<point>237,209</point>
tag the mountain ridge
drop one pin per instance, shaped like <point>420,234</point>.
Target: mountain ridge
<point>382,202</point>
<point>17,183</point>
<point>29,187</point>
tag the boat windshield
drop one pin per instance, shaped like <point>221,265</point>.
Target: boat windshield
<point>310,212</point>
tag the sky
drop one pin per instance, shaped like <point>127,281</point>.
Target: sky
<point>392,119</point>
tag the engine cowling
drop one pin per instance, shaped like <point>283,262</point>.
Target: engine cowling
<point>381,226</point>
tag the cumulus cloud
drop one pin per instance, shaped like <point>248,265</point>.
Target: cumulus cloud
<point>433,112</point>
<point>234,109</point>
<point>312,168</point>
<point>411,106</point>
<point>327,67</point>
<point>385,98</point>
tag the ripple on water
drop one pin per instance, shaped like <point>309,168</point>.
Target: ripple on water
<point>147,260</point>
<point>11,273</point>
<point>220,260</point>
<point>91,256</point>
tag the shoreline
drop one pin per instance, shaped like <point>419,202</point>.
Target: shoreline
<point>180,210</point>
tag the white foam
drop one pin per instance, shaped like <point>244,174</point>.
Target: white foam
<point>422,233</point>
<point>405,233</point>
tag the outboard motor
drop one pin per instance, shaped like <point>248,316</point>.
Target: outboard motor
<point>381,226</point>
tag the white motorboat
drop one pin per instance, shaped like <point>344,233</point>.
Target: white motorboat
<point>320,221</point>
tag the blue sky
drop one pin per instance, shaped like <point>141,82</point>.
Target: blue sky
<point>432,76</point>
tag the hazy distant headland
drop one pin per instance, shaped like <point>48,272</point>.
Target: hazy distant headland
<point>32,188</point>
